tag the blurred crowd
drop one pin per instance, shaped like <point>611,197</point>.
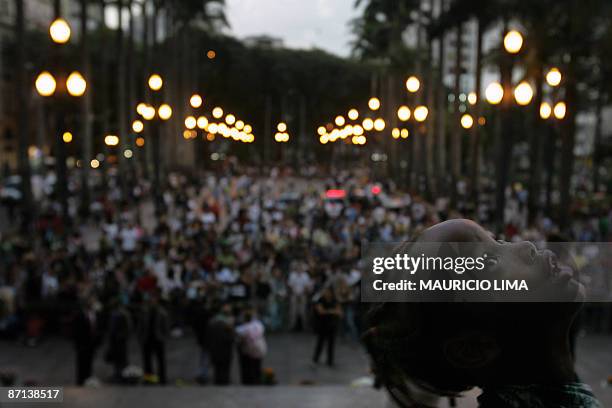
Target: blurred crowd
<point>227,256</point>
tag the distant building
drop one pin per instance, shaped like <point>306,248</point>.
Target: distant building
<point>263,41</point>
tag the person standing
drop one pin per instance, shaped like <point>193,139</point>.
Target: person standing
<point>300,285</point>
<point>252,348</point>
<point>153,332</point>
<point>220,342</point>
<point>202,316</point>
<point>120,325</point>
<point>328,313</point>
<point>87,336</point>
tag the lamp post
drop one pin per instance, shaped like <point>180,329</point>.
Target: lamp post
<point>551,113</point>
<point>155,114</point>
<point>502,94</point>
<point>60,88</point>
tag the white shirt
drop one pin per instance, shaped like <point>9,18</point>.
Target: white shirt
<point>299,282</point>
<point>129,238</point>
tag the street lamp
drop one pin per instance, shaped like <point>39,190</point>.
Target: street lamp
<point>523,93</point>
<point>403,113</point>
<point>111,140</point>
<point>420,113</point>
<point>59,30</point>
<point>155,82</point>
<point>553,77</point>
<point>467,121</point>
<point>140,108</point>
<point>190,122</point>
<point>353,114</point>
<point>374,103</point>
<point>368,124</point>
<point>513,41</point>
<point>545,110</point>
<point>45,84</point>
<point>76,84</point>
<point>339,121</point>
<point>560,110</point>
<point>164,111</point>
<point>67,137</point>
<point>217,112</point>
<point>230,119</point>
<point>281,137</point>
<point>379,124</point>
<point>281,127</point>
<point>494,93</point>
<point>202,122</point>
<point>413,84</point>
<point>195,101</point>
<point>472,98</point>
<point>137,126</point>
<point>148,112</point>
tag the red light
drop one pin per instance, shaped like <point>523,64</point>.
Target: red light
<point>376,190</point>
<point>335,193</point>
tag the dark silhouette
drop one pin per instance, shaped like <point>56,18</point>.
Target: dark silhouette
<point>153,332</point>
<point>518,353</point>
<point>328,313</point>
<point>220,340</point>
<point>87,337</point>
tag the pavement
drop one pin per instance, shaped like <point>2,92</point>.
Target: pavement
<point>300,383</point>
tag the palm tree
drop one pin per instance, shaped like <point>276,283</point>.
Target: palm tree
<point>441,105</point>
<point>455,144</point>
<point>475,132</point>
<point>121,94</point>
<point>22,87</point>
<point>86,118</point>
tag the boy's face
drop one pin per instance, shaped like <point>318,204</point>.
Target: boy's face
<point>546,277</point>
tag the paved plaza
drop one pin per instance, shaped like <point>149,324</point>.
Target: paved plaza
<point>301,384</point>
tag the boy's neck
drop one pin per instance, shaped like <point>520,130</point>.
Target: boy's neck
<point>543,360</point>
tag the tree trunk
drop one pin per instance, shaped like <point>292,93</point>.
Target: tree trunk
<point>535,159</point>
<point>504,135</point>
<point>104,100</point>
<point>22,87</point>
<point>597,156</point>
<point>455,144</point>
<point>441,112</point>
<point>568,140</point>
<point>475,134</point>
<point>121,102</point>
<point>130,94</point>
<point>431,120</point>
<point>86,118</point>
<point>417,138</point>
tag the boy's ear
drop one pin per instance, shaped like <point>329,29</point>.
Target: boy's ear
<point>471,350</point>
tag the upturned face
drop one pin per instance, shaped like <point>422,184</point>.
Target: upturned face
<point>547,278</point>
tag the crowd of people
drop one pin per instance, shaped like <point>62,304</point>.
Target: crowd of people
<point>227,256</point>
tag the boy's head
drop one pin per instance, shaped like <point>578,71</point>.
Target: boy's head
<point>450,347</point>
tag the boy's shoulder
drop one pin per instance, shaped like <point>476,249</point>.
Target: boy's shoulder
<point>569,395</point>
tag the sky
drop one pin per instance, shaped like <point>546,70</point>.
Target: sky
<point>299,23</point>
